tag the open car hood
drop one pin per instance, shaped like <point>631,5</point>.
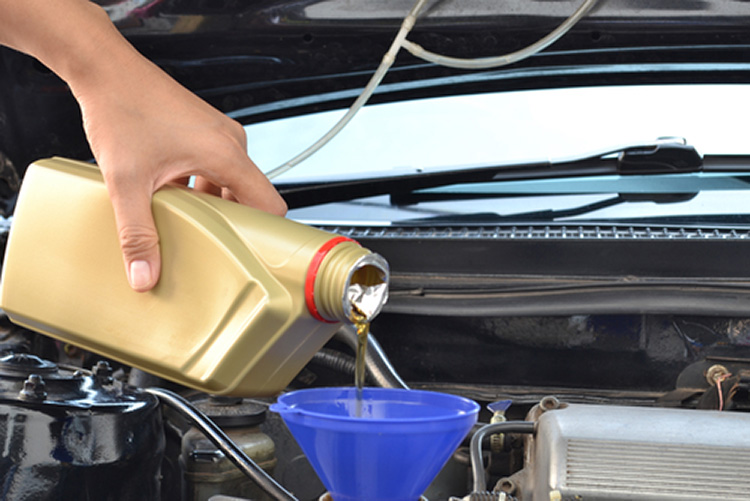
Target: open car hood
<point>280,58</point>
<point>269,59</point>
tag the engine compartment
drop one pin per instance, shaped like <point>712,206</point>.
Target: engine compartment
<point>623,406</point>
<point>600,389</point>
<point>624,382</point>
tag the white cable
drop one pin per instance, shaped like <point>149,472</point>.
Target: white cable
<point>385,65</point>
<point>496,61</point>
<point>400,41</point>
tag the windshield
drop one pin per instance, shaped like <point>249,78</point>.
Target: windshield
<point>505,128</point>
<point>509,128</point>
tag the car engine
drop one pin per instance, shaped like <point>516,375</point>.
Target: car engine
<point>82,427</point>
<point>616,452</point>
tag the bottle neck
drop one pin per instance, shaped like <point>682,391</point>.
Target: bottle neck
<point>348,280</point>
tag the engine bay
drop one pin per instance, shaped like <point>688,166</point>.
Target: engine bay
<point>626,377</point>
<point>618,407</point>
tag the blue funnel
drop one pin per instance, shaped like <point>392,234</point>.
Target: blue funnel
<point>391,453</point>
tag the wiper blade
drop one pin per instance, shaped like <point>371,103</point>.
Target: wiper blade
<point>549,215</point>
<point>546,215</point>
<point>659,158</point>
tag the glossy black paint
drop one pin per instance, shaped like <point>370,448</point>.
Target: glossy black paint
<point>75,435</point>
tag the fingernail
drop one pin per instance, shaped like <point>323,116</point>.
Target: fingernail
<point>140,275</point>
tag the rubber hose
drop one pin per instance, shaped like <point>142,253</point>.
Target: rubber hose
<point>475,448</point>
<point>385,64</point>
<point>498,61</point>
<point>217,436</point>
<point>334,360</point>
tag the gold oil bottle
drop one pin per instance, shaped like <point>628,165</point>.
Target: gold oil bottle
<point>244,301</point>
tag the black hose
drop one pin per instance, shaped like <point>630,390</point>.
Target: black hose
<point>475,448</point>
<point>376,361</point>
<point>335,360</point>
<point>220,440</point>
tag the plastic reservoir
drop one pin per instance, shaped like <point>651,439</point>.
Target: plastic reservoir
<point>244,301</point>
<point>391,453</point>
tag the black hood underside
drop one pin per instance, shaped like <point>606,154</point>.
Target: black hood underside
<point>259,60</point>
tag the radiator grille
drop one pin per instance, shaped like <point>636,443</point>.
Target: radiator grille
<point>542,232</point>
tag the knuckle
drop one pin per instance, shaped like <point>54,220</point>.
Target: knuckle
<point>280,207</point>
<point>237,131</point>
<point>118,173</point>
<point>137,241</point>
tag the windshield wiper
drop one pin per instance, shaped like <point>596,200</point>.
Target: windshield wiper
<point>660,158</point>
<point>549,215</point>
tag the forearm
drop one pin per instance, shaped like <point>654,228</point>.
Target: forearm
<point>74,38</point>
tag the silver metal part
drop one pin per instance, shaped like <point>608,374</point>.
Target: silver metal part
<point>368,298</point>
<point>715,373</point>
<point>634,453</point>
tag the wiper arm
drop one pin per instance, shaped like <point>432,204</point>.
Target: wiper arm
<point>659,158</point>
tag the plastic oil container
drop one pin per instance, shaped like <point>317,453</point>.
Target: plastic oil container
<point>244,300</point>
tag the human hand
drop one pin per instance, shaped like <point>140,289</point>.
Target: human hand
<point>146,131</point>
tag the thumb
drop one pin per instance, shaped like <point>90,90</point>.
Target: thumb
<point>139,240</point>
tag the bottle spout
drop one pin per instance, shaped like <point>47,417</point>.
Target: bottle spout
<point>367,287</point>
<point>347,283</point>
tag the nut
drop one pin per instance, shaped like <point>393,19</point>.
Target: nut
<point>716,372</point>
<point>34,389</point>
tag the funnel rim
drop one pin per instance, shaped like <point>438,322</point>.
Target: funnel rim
<point>393,456</point>
<point>466,409</point>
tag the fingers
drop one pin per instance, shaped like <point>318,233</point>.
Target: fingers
<point>256,191</point>
<point>139,240</point>
<point>266,198</point>
<point>236,177</point>
<point>246,183</point>
<point>193,140</point>
<point>249,186</point>
<point>204,185</point>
